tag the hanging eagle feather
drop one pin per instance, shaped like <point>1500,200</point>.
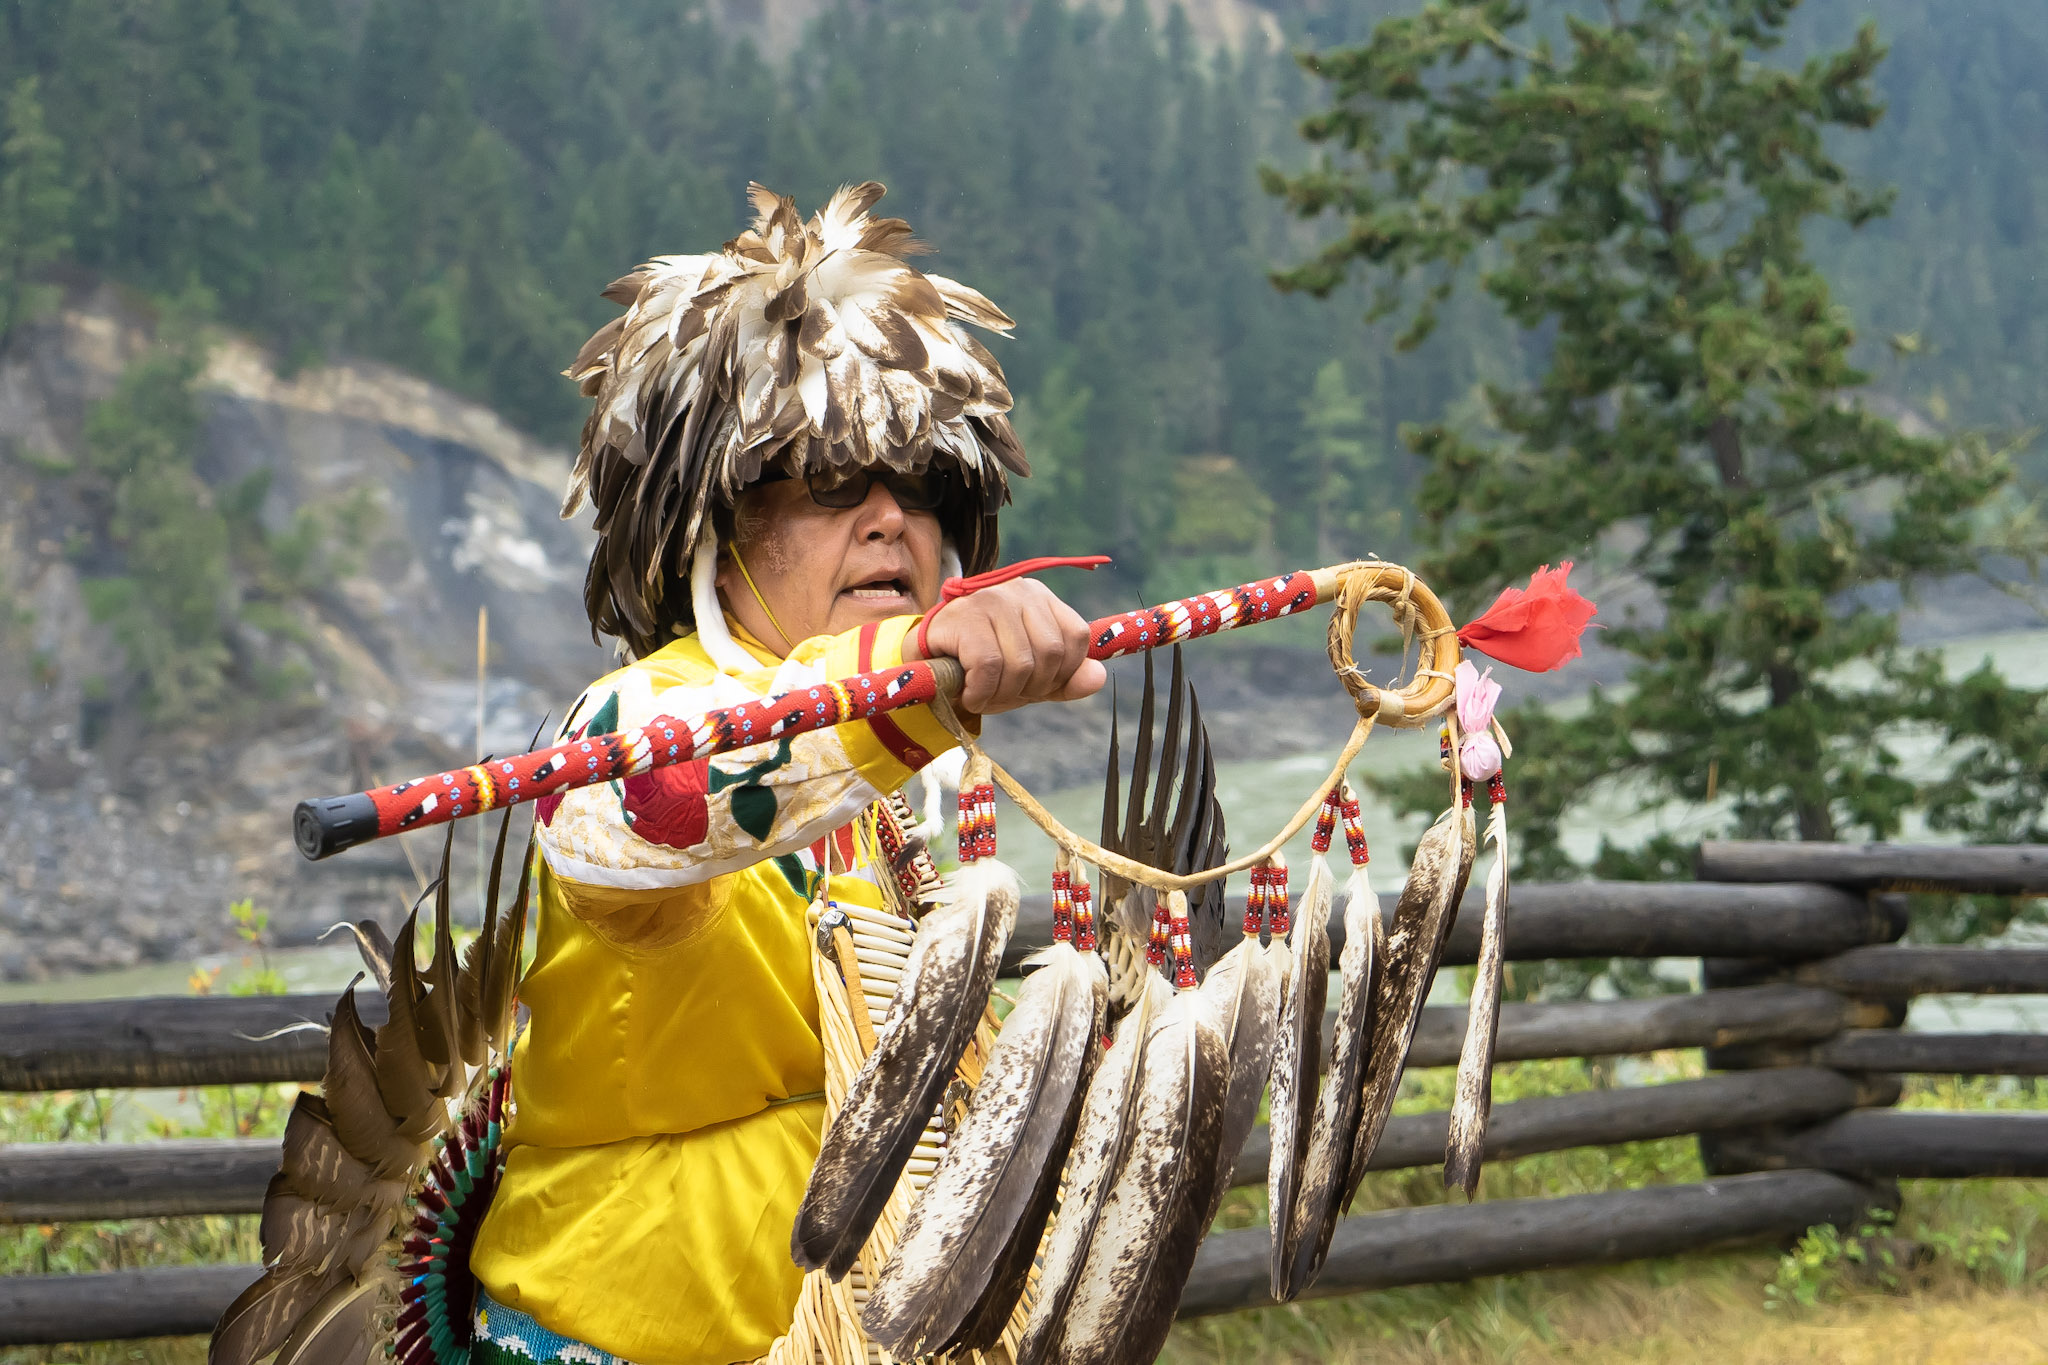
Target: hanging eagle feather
<point>984,1203</point>
<point>1326,1167</point>
<point>932,1018</point>
<point>1473,1096</point>
<point>1242,993</point>
<point>1297,1060</point>
<point>403,1105</point>
<point>1101,1142</point>
<point>1155,1213</point>
<point>815,343</point>
<point>1414,947</point>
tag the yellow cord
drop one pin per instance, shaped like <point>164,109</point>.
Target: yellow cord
<point>787,643</point>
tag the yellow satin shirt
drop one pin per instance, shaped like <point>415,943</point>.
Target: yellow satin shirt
<point>668,1086</point>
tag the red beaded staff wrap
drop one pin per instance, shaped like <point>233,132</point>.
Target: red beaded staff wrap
<point>1193,617</point>
<point>330,824</point>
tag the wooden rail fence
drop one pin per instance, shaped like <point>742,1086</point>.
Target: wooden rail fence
<point>1806,986</point>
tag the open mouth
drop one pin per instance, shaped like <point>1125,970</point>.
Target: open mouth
<point>880,590</point>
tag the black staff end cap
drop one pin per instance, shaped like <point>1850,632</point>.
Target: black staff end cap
<point>327,825</point>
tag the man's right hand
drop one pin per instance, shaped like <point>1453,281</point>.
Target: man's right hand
<point>1019,644</point>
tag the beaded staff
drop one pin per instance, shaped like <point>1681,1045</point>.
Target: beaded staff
<point>328,825</point>
<point>1518,627</point>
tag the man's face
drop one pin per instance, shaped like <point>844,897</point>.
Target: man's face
<point>824,570</point>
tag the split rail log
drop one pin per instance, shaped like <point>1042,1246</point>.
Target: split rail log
<point>1606,1118</point>
<point>1447,1243</point>
<point>1893,1052</point>
<point>118,1305</point>
<point>167,1041</point>
<point>1374,1251</point>
<point>2007,869</point>
<point>229,1040</point>
<point>1901,1144</point>
<point>1892,973</point>
<point>1613,1028</point>
<point>85,1181</point>
<point>76,1182</point>
<point>1622,919</point>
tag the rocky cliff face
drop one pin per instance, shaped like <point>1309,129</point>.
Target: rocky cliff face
<point>121,841</point>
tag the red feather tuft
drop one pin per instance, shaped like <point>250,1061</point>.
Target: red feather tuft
<point>1535,629</point>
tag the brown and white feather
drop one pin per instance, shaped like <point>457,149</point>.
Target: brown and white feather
<point>932,1018</point>
<point>1297,1061</point>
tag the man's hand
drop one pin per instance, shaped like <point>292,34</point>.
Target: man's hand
<point>1018,643</point>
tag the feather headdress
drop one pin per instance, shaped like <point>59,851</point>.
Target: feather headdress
<point>813,342</point>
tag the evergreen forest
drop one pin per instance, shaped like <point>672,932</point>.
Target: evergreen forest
<point>446,187</point>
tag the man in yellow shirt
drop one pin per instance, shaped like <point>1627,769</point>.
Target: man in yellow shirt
<point>792,443</point>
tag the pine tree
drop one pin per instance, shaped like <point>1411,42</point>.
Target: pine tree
<point>35,205</point>
<point>1639,189</point>
<point>1337,472</point>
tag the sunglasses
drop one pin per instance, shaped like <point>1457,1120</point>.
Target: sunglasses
<point>841,489</point>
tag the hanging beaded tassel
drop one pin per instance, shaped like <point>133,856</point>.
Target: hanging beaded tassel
<point>977,821</point>
<point>1278,921</point>
<point>985,822</point>
<point>1255,903</point>
<point>1082,898</point>
<point>1157,947</point>
<point>1181,939</point>
<point>1326,822</point>
<point>1354,828</point>
<point>1062,901</point>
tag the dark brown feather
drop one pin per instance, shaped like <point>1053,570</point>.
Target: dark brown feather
<point>991,1317</point>
<point>341,1329</point>
<point>1101,1142</point>
<point>1414,947</point>
<point>366,1128</point>
<point>1172,821</point>
<point>407,1083</point>
<point>1243,993</point>
<point>501,970</point>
